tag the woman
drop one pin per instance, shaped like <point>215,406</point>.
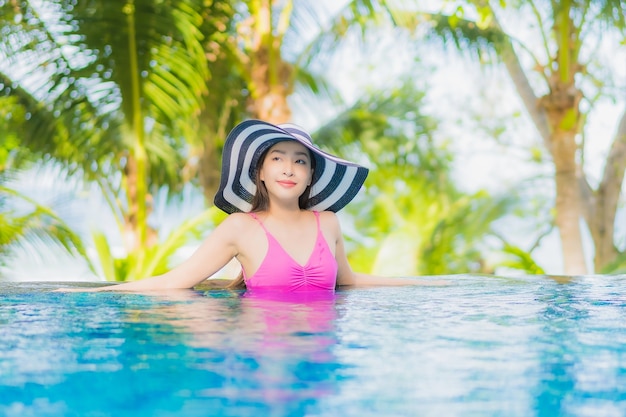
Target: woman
<point>282,193</point>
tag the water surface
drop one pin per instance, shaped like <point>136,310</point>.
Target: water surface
<point>478,346</point>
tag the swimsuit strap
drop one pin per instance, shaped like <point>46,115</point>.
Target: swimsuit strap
<point>255,217</point>
<point>317,218</point>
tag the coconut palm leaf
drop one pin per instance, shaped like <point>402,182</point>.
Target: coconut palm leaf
<point>106,260</point>
<point>354,17</point>
<point>102,70</point>
<point>34,225</point>
<point>520,260</point>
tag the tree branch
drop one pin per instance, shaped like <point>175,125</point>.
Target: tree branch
<point>613,176</point>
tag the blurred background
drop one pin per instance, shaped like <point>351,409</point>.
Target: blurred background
<point>495,131</point>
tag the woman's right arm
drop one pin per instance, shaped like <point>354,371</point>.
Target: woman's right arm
<point>213,254</point>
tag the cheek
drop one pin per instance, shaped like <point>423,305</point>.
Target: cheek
<point>309,175</point>
<point>265,170</point>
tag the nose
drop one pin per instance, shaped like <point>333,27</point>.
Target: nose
<point>288,169</point>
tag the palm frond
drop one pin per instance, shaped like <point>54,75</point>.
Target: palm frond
<point>75,81</point>
<point>520,260</point>
<point>353,18</point>
<point>38,224</point>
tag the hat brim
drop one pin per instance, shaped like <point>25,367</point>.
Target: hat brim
<point>335,181</point>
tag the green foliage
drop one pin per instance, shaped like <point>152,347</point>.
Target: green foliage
<point>76,86</point>
<point>415,219</point>
<point>32,223</point>
<point>467,35</point>
<point>618,266</point>
<point>99,82</point>
<point>111,91</point>
<point>553,52</point>
<point>157,259</point>
<point>521,260</point>
<point>427,228</point>
<point>36,223</point>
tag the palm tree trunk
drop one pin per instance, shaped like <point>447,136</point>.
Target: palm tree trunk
<point>129,183</point>
<point>272,105</point>
<point>568,203</point>
<point>547,114</point>
<point>137,160</point>
<point>556,117</point>
<point>270,76</point>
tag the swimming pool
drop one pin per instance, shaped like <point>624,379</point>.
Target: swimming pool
<point>478,346</point>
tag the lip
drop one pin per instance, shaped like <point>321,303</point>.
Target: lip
<point>287,183</point>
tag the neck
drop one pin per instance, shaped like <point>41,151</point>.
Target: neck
<point>291,212</point>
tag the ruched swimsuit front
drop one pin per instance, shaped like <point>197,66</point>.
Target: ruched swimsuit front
<point>279,270</point>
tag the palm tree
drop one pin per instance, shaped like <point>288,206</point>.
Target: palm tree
<point>111,90</point>
<point>261,56</point>
<point>558,88</point>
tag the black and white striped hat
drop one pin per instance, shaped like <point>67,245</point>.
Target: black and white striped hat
<point>335,181</point>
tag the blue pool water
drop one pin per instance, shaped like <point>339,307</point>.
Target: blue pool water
<point>477,346</point>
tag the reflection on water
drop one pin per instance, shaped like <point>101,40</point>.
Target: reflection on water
<point>479,346</point>
<point>250,353</point>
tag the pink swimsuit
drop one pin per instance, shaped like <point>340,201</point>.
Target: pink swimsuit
<point>280,271</point>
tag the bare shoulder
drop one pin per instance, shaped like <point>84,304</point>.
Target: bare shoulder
<point>329,220</point>
<point>234,226</point>
<point>237,220</point>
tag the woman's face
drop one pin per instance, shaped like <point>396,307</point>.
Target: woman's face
<point>287,170</point>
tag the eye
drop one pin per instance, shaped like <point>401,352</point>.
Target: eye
<point>301,161</point>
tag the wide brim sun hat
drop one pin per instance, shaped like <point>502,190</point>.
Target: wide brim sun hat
<point>335,181</point>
